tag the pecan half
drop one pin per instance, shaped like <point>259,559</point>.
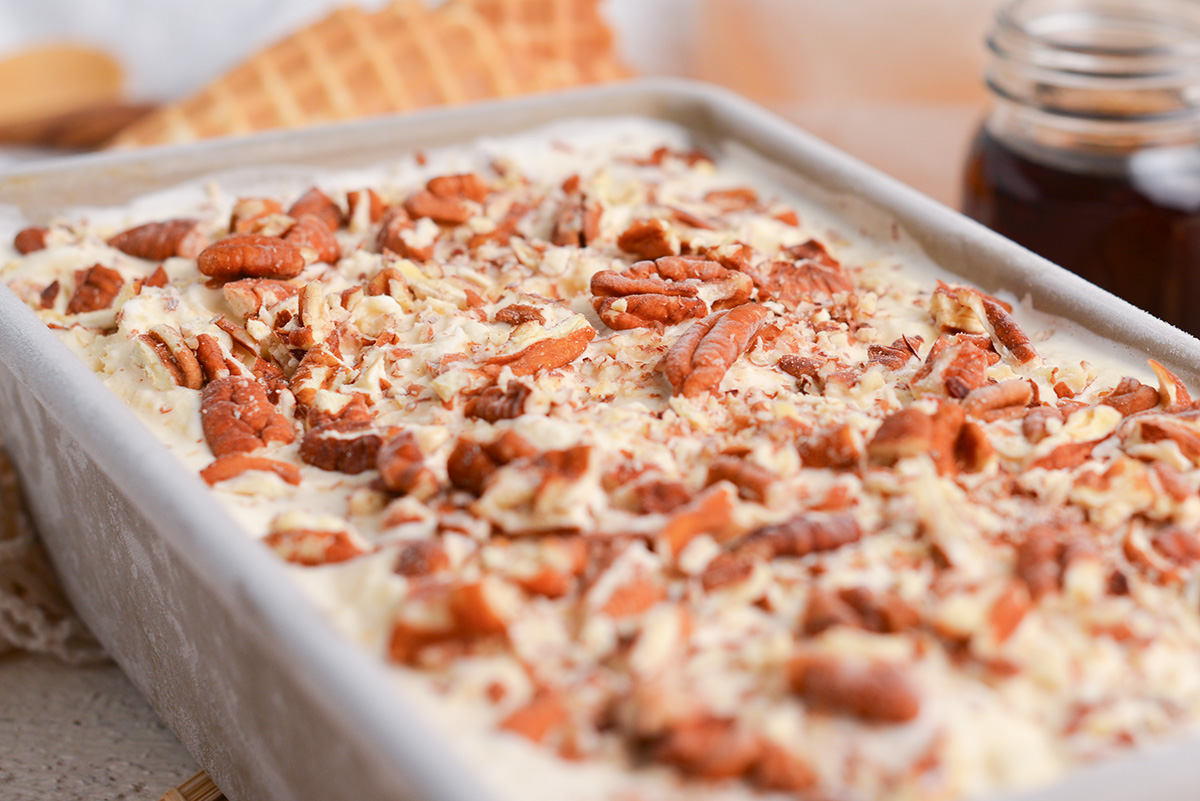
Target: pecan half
<point>237,417</point>
<point>752,480</point>
<point>30,239</point>
<point>698,360</point>
<point>649,239</point>
<point>800,536</point>
<point>665,291</point>
<point>156,241</point>
<point>813,274</point>
<point>95,288</point>
<point>874,691</point>
<point>233,465</point>
<point>495,403</point>
<point>250,256</point>
<point>321,206</point>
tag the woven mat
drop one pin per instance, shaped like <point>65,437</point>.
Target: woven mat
<point>197,788</point>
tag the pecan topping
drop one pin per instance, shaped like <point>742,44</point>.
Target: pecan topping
<point>320,205</point>
<point>840,448</point>
<point>699,359</point>
<point>1037,422</point>
<point>534,721</point>
<point>345,446</point>
<point>248,213</point>
<point>664,291</point>
<point>367,199</point>
<point>234,464</point>
<point>751,480</point>
<point>395,235</point>
<point>444,199</point>
<point>896,355</point>
<point>315,241</point>
<point>175,355</point>
<point>156,241</point>
<point>547,354</point>
<point>402,467</point>
<point>660,496</point>
<point>873,691</point>
<point>95,288</point>
<point>708,748</point>
<point>710,512</point>
<point>1132,396</point>
<point>1013,392</point>
<point>421,558</point>
<point>800,536</point>
<point>237,417</point>
<point>249,296</point>
<point>250,256</point>
<point>1066,456</point>
<point>495,403</point>
<point>518,313</point>
<point>649,239</point>
<point>578,220</point>
<point>310,547</point>
<point>885,613</point>
<point>910,432</point>
<point>1172,392</point>
<point>471,464</point>
<point>30,239</point>
<point>49,295</point>
<point>1038,563</point>
<point>812,275</point>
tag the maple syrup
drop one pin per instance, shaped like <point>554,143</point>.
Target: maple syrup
<point>1090,155</point>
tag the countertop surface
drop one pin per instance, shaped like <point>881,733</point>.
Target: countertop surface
<point>85,734</point>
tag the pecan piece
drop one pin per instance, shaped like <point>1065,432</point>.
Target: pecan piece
<point>1013,392</point>
<point>30,239</point>
<point>311,547</point>
<point>1131,396</point>
<point>175,355</point>
<point>444,198</point>
<point>752,480</point>
<point>804,280</point>
<point>421,558</point>
<point>578,220</point>
<point>237,417</point>
<point>873,691</point>
<point>698,360</point>
<point>401,466</point>
<point>233,465</point>
<point>344,446</point>
<point>547,354</point>
<point>495,403</point>
<point>894,356</point>
<point>544,713</point>
<point>646,311</point>
<point>369,201</point>
<point>320,205</point>
<point>710,512</point>
<point>95,288</point>
<point>471,464</point>
<point>156,241</point>
<point>518,313</point>
<point>884,613</point>
<point>315,241</point>
<point>1066,456</point>
<point>49,295</point>
<point>249,211</point>
<point>394,235</point>
<point>250,256</point>
<point>708,748</point>
<point>800,536</point>
<point>1171,391</point>
<point>649,239</point>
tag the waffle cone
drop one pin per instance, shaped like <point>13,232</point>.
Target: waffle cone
<point>405,56</point>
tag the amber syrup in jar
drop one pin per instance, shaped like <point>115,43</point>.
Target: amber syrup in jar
<point>1090,155</point>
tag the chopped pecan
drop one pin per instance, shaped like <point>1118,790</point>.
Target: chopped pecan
<point>578,220</point>
<point>1172,481</point>
<point>310,547</point>
<point>471,464</point>
<point>178,359</point>
<point>342,446</point>
<point>699,359</point>
<point>752,480</point>
<point>402,468</point>
<point>884,613</point>
<point>1036,424</point>
<point>1179,545</point>
<point>444,199</point>
<point>779,770</point>
<point>233,465</point>
<point>368,200</point>
<point>30,239</point>
<point>211,357</point>
<point>237,417</point>
<point>896,355</point>
<point>1006,331</point>
<point>660,496</point>
<point>315,241</point>
<point>49,295</point>
<point>874,691</point>
<point>249,211</point>
<point>840,448</point>
<point>738,198</point>
<point>395,235</point>
<point>633,597</point>
<point>726,569</point>
<point>804,368</point>
<point>547,354</point>
<point>544,713</point>
<point>708,748</point>
<point>495,403</point>
<point>321,206</point>
<point>157,279</point>
<point>1043,555</point>
<point>1012,392</point>
<point>972,448</point>
<point>1131,396</point>
<point>421,558</point>
<point>800,536</point>
<point>649,239</point>
<point>156,241</point>
<point>710,512</point>
<point>95,288</point>
<point>518,313</point>
<point>1172,392</point>
<point>250,256</point>
<point>469,186</point>
<point>1066,456</point>
<point>1161,427</point>
<point>910,432</point>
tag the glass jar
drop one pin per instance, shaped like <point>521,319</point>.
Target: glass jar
<point>1090,154</point>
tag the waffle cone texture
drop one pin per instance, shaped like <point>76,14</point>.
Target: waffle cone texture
<point>355,63</point>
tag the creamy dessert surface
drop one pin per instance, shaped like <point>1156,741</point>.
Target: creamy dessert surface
<point>654,479</point>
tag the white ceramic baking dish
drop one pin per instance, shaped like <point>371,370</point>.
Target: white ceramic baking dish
<point>266,696</point>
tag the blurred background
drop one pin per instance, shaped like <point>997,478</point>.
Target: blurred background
<point>897,84</point>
